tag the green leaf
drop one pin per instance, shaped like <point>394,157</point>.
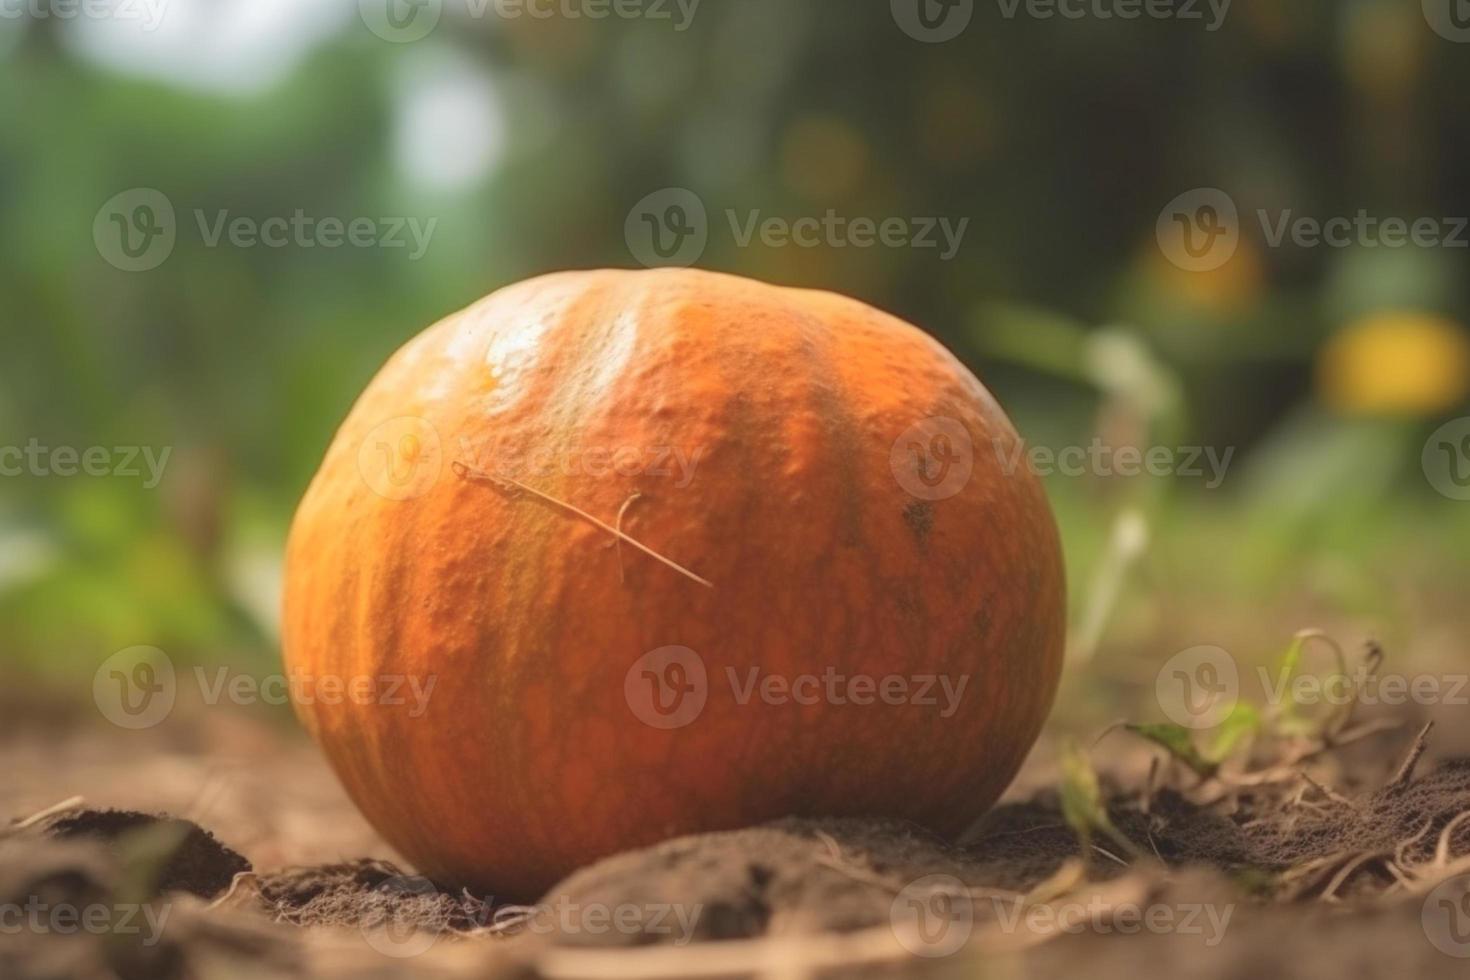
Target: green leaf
<point>1242,722</point>
<point>1289,718</point>
<point>1178,741</point>
<point>1082,802</point>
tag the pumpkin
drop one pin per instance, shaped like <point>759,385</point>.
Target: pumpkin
<point>611,556</point>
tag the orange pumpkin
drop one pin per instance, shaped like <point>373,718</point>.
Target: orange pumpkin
<point>612,556</point>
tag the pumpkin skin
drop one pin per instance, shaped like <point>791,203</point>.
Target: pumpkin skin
<point>413,557</point>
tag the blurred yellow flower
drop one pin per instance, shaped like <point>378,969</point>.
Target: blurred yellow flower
<point>1395,363</point>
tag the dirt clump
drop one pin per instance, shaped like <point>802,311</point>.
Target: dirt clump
<point>188,857</point>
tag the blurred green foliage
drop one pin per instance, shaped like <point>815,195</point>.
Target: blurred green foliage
<point>529,140</point>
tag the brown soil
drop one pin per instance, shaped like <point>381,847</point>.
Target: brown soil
<point>1314,860</point>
